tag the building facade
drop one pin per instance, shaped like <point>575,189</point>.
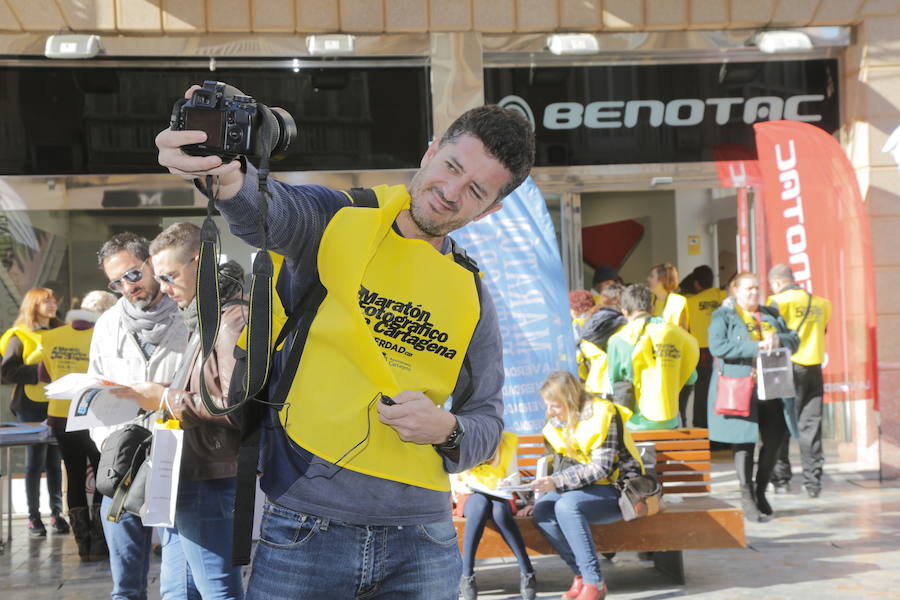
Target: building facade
<point>453,47</point>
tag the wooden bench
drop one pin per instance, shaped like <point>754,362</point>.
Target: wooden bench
<point>692,520</point>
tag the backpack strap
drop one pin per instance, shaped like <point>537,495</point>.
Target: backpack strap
<point>465,261</point>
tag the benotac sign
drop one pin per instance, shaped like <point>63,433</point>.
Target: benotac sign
<point>661,113</point>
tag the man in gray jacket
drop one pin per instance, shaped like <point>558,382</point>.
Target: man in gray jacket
<point>141,338</point>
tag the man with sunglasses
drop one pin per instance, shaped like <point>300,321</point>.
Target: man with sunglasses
<point>196,552</point>
<point>141,338</point>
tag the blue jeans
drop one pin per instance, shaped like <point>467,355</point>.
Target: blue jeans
<point>196,553</point>
<point>302,557</point>
<point>565,520</point>
<point>129,554</point>
<point>39,458</point>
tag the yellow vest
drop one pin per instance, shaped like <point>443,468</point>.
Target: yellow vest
<point>663,360</point>
<point>398,315</point>
<point>66,350</point>
<point>592,367</point>
<point>589,435</point>
<point>488,475</point>
<point>792,306</point>
<point>31,355</point>
<point>673,311</point>
<point>700,308</point>
<point>758,329</point>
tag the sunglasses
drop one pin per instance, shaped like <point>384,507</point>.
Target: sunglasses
<point>130,276</point>
<point>169,278</point>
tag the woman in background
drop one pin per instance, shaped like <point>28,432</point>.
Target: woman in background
<point>739,330</point>
<point>584,433</point>
<point>20,346</point>
<point>66,350</point>
<point>477,504</point>
<point>672,307</point>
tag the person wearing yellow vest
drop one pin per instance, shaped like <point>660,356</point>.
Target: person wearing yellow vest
<point>672,307</point>
<point>355,465</point>
<point>65,350</point>
<point>583,435</point>
<point>603,322</point>
<point>472,490</point>
<point>580,304</point>
<point>739,330</point>
<point>808,315</point>
<point>701,303</point>
<point>650,361</point>
<point>20,346</point>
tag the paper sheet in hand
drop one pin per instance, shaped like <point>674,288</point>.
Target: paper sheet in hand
<point>495,493</point>
<point>96,407</point>
<point>69,387</point>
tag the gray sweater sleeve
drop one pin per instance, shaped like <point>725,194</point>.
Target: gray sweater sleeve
<point>297,216</point>
<point>482,415</point>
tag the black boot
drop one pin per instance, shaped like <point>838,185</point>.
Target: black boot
<point>761,502</point>
<point>528,586</point>
<point>81,525</point>
<point>468,589</point>
<point>59,524</point>
<point>99,550</point>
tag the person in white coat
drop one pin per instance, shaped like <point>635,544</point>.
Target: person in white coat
<point>141,338</point>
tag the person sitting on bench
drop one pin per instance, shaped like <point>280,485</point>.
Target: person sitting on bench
<point>583,432</point>
<point>478,499</point>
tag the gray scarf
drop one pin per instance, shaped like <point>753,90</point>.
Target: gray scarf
<point>150,325</point>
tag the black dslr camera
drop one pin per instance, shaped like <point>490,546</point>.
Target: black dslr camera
<point>235,124</point>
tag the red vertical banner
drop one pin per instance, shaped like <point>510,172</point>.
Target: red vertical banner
<point>760,241</point>
<point>817,223</point>
<point>743,230</point>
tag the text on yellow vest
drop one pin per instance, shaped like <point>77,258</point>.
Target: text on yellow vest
<point>66,350</point>
<point>663,360</point>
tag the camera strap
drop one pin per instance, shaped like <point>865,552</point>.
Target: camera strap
<point>209,304</point>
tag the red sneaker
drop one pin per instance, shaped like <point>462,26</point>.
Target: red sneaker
<point>592,592</point>
<point>577,584</point>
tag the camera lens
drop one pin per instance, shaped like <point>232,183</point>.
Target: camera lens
<point>287,129</point>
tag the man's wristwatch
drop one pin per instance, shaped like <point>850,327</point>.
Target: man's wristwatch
<point>455,438</point>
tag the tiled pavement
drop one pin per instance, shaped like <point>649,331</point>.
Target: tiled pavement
<point>846,544</point>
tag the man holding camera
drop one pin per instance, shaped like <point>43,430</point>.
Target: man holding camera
<point>355,463</point>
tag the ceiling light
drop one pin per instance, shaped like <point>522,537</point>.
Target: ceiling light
<point>330,45</point>
<point>772,42</point>
<point>572,43</point>
<point>73,46</point>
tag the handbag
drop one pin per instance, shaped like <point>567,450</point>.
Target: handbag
<point>121,456</point>
<point>639,496</point>
<point>733,394</point>
<point>775,374</point>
